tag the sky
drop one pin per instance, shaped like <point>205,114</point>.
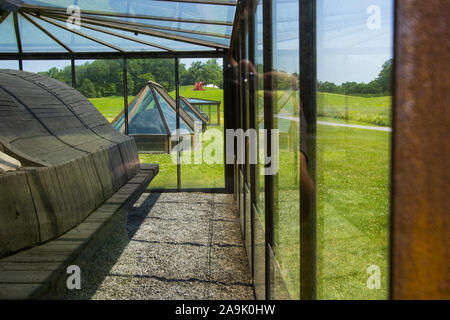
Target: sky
<point>354,39</point>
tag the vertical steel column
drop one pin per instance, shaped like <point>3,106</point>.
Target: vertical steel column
<point>308,81</point>
<point>252,118</point>
<point>243,97</point>
<point>72,63</point>
<point>268,125</point>
<point>177,97</point>
<point>229,116</point>
<point>19,41</point>
<point>125,93</point>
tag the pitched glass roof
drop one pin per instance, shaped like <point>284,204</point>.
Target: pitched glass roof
<point>115,25</point>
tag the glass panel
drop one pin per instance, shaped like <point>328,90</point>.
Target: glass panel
<point>189,111</point>
<point>259,106</point>
<point>149,7</point>
<point>9,64</point>
<point>216,40</point>
<point>129,45</point>
<point>171,117</point>
<point>259,254</point>
<point>60,70</point>
<point>248,226</point>
<point>278,287</point>
<point>8,42</point>
<point>241,202</point>
<point>203,167</point>
<point>354,54</point>
<point>161,71</point>
<point>101,81</point>
<point>287,120</point>
<point>73,41</point>
<point>35,40</point>
<point>220,29</point>
<point>143,116</point>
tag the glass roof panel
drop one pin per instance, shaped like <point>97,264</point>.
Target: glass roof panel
<point>168,9</point>
<point>167,43</point>
<point>168,25</point>
<point>35,40</point>
<point>200,27</point>
<point>8,42</point>
<point>143,116</point>
<point>188,110</point>
<point>170,116</point>
<point>73,41</point>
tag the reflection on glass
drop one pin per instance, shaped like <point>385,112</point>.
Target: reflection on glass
<point>354,57</point>
<point>259,109</point>
<point>287,119</point>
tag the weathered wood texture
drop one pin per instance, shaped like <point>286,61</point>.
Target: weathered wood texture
<point>73,160</point>
<point>40,272</point>
<point>421,153</point>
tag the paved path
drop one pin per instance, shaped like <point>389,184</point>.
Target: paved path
<point>174,246</point>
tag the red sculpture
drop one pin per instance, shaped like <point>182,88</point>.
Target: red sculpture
<point>199,86</point>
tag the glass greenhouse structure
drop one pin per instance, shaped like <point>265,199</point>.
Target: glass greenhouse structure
<point>329,92</point>
<point>152,120</point>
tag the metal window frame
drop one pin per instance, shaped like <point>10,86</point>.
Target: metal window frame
<point>19,41</point>
<point>308,80</point>
<point>268,125</point>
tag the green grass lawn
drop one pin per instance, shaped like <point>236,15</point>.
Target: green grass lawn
<point>352,211</point>
<point>110,107</point>
<point>208,94</point>
<point>352,194</point>
<point>374,110</point>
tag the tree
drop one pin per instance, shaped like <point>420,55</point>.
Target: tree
<point>87,89</point>
<point>385,77</point>
<point>141,82</point>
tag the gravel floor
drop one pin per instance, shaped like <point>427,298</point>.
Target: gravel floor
<point>172,246</point>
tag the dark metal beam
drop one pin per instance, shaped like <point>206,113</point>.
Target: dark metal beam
<point>80,34</point>
<point>74,82</point>
<point>268,125</point>
<point>252,121</point>
<point>42,9</point>
<point>19,41</point>
<point>214,2</point>
<point>93,19</point>
<point>86,25</point>
<point>149,32</point>
<point>5,15</point>
<point>308,80</point>
<point>177,103</point>
<point>125,93</point>
<point>110,55</point>
<point>37,25</point>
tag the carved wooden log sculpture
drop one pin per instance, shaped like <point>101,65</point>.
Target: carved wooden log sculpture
<point>71,159</point>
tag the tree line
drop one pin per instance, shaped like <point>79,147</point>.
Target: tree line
<point>381,86</point>
<point>103,78</point>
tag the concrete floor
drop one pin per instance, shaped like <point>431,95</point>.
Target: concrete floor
<point>174,246</point>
